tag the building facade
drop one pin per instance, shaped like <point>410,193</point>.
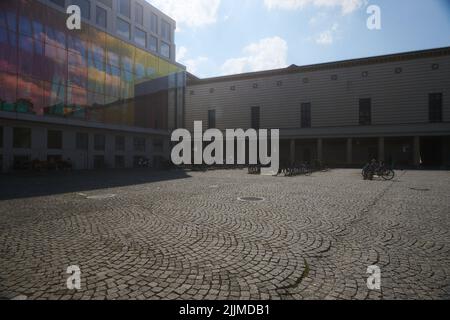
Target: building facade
<point>107,95</point>
<point>394,107</point>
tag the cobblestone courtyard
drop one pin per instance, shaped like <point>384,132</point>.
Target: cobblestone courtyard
<point>141,235</point>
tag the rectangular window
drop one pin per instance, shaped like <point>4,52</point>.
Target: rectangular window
<point>365,112</point>
<point>123,28</point>
<point>22,138</point>
<point>255,118</point>
<point>154,23</point>
<point>85,7</point>
<point>435,107</point>
<point>153,44</point>
<point>125,8</point>
<point>211,119</point>
<point>99,142</point>
<point>101,17</point>
<point>120,162</point>
<point>140,37</point>
<point>165,30</point>
<point>120,143</point>
<point>306,115</point>
<point>165,50</point>
<point>54,139</point>
<point>158,145</point>
<point>82,141</point>
<point>139,14</point>
<point>139,144</point>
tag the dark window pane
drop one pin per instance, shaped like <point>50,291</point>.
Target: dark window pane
<point>99,142</point>
<point>8,85</point>
<point>435,107</point>
<point>365,112</point>
<point>140,37</point>
<point>255,116</point>
<point>22,138</point>
<point>139,144</point>
<point>124,7</point>
<point>54,139</point>
<point>120,143</point>
<point>165,30</point>
<point>158,145</point>
<point>82,141</point>
<point>165,50</point>
<point>211,119</point>
<point>101,17</point>
<point>139,14</point>
<point>85,7</point>
<point>30,96</point>
<point>153,44</point>
<point>306,115</point>
<point>8,51</point>
<point>154,23</point>
<point>123,28</point>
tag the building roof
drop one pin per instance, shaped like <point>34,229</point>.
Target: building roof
<point>405,56</point>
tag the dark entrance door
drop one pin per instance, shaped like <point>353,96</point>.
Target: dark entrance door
<point>431,151</point>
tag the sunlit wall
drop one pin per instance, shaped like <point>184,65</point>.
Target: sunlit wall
<point>50,71</point>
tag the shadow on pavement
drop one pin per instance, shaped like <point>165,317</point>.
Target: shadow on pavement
<point>27,185</point>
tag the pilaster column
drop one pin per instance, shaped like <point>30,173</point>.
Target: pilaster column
<point>416,151</point>
<point>381,149</point>
<point>349,151</point>
<point>292,151</point>
<point>320,149</point>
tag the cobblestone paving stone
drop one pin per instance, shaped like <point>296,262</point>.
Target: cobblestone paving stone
<point>191,238</point>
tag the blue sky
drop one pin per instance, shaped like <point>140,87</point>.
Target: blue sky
<point>218,37</point>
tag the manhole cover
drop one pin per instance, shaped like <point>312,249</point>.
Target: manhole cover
<point>251,199</point>
<point>101,197</point>
<point>419,189</point>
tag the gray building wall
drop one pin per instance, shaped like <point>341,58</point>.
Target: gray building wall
<point>397,99</point>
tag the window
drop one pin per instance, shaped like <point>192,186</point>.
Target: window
<point>233,88</point>
<point>120,143</point>
<point>60,3</point>
<point>101,17</point>
<point>140,37</point>
<point>124,8</point>
<point>153,44</point>
<point>99,142</point>
<point>85,7</point>
<point>334,77</point>
<point>255,86</point>
<point>22,138</point>
<point>107,3</point>
<point>120,162</point>
<point>192,92</point>
<point>139,14</point>
<point>123,28</point>
<point>211,90</point>
<point>365,112</point>
<point>398,70</point>
<point>165,30</point>
<point>279,83</point>
<point>82,141</point>
<point>139,144</point>
<point>306,115</point>
<point>154,23</point>
<point>434,66</point>
<point>54,139</point>
<point>365,74</point>
<point>435,107</point>
<point>211,119</point>
<point>165,50</point>
<point>158,145</point>
<point>255,118</point>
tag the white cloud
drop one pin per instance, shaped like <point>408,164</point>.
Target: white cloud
<point>266,54</point>
<point>328,36</point>
<point>192,64</point>
<point>347,6</point>
<point>192,13</point>
<point>181,53</point>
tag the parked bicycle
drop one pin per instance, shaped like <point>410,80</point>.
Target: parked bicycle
<point>379,169</point>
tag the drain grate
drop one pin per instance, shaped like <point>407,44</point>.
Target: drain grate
<point>251,199</point>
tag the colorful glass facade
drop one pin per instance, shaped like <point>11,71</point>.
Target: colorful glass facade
<point>48,70</point>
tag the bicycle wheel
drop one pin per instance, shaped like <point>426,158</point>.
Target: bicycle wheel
<point>388,175</point>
